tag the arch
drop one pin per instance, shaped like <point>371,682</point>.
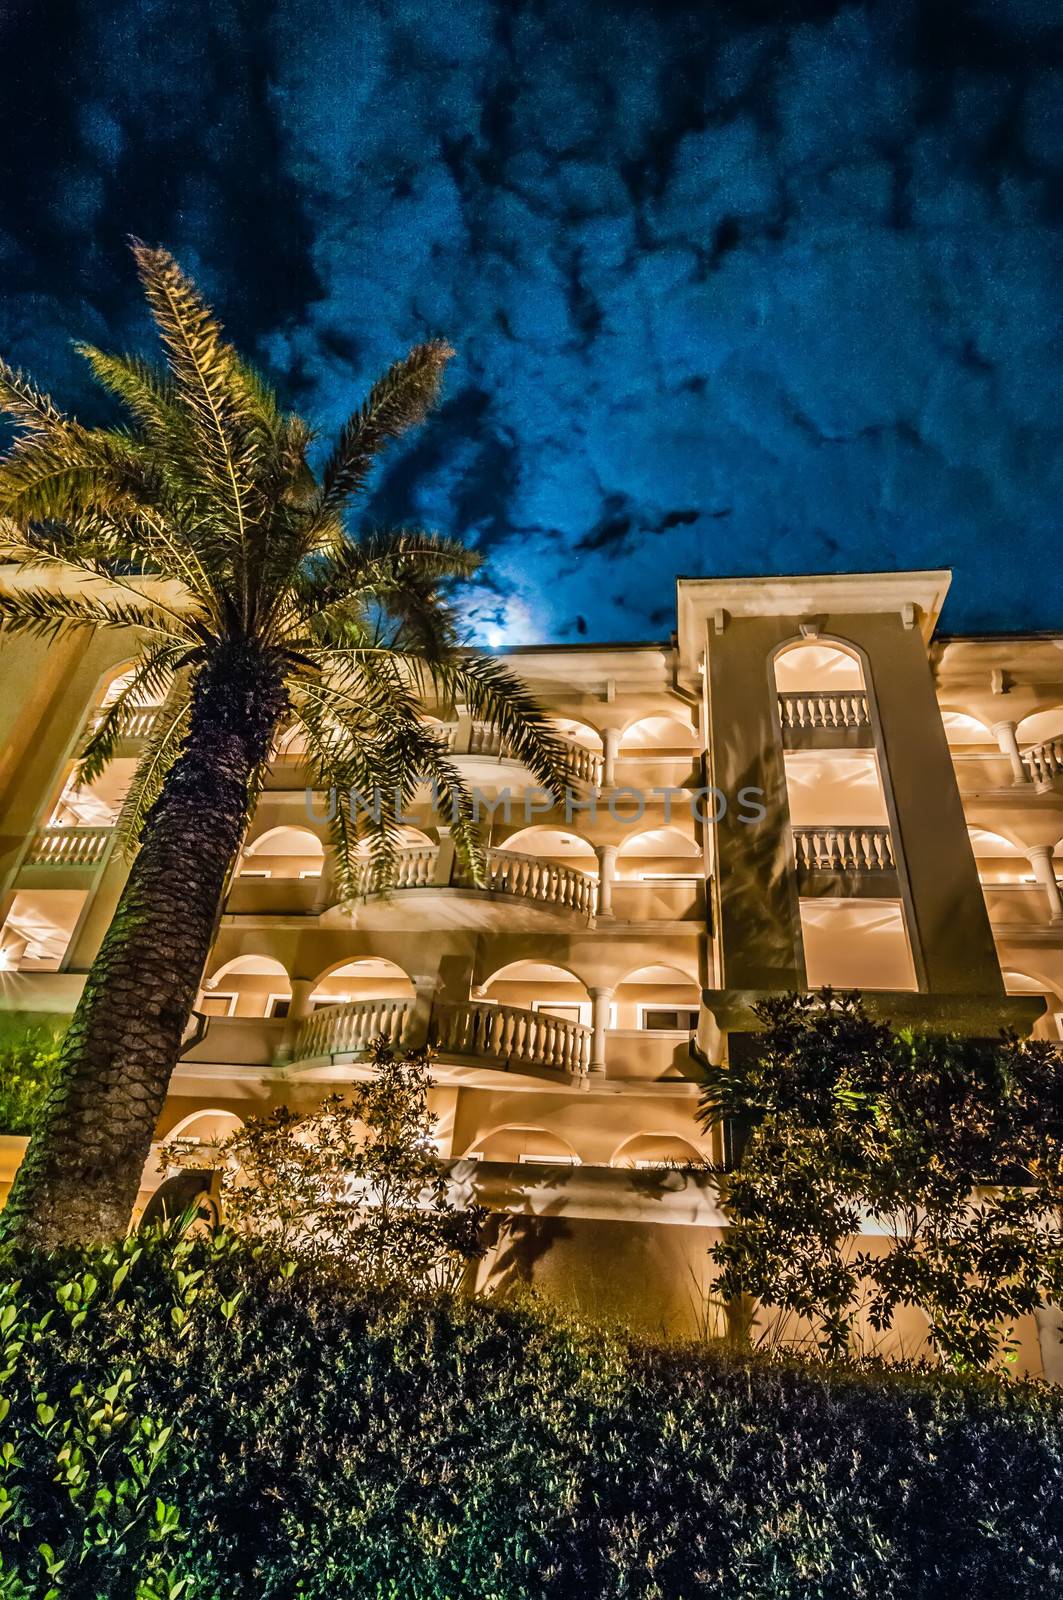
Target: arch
<point>1041,725</point>
<point>661,731</point>
<point>662,974</point>
<point>285,843</point>
<point>578,732</point>
<point>410,838</point>
<point>661,1148</point>
<point>251,985</point>
<point>985,844</point>
<point>961,728</point>
<point>361,978</point>
<point>252,964</point>
<point>510,1141</point>
<point>667,840</point>
<point>552,844</point>
<point>539,986</point>
<point>826,664</point>
<point>208,1126</point>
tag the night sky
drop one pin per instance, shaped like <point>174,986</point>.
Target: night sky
<point>734,288</point>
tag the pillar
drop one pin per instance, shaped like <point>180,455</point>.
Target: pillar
<point>606,854</point>
<point>1044,871</point>
<point>600,1000</point>
<point>1007,739</point>
<point>611,749</point>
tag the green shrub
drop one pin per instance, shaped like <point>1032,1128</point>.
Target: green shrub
<point>327,1442</point>
<point>29,1052</point>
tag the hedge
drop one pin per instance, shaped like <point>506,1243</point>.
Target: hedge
<point>325,1443</point>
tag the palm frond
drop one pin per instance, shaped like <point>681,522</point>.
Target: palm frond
<point>161,749</point>
<point>33,411</point>
<point>147,392</point>
<point>398,401</point>
<point>152,675</point>
<point>45,613</point>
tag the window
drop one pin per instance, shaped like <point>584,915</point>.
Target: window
<point>310,872</point>
<point>278,1005</point>
<point>668,1019</point>
<point>564,1011</point>
<point>669,877</point>
<point>548,1161</point>
<point>255,872</point>
<point>216,1004</point>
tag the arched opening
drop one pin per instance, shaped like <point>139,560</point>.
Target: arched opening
<point>209,1127</point>
<point>580,733</point>
<point>38,928</point>
<point>116,681</point>
<point>659,736</point>
<point>96,804</point>
<point>815,666</point>
<point>960,728</point>
<point>283,852</point>
<point>659,854</point>
<point>1050,1024</point>
<point>657,999</point>
<point>1040,726</point>
<point>654,1150</point>
<point>521,1144</point>
<point>539,986</point>
<point>361,978</point>
<point>553,844</point>
<point>247,986</point>
<point>998,859</point>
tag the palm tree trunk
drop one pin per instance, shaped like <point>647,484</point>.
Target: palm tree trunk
<point>79,1179</point>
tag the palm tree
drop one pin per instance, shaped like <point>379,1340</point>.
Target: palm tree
<point>202,528</point>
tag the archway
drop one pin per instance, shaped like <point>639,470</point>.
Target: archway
<point>521,1143</point>
<point>659,853</point>
<point>283,852</point>
<point>657,999</point>
<point>818,666</point>
<point>568,849</point>
<point>663,735</point>
<point>250,985</point>
<point>580,733</point>
<point>961,728</point>
<point>539,986</point>
<point>652,1150</point>
<point>361,978</point>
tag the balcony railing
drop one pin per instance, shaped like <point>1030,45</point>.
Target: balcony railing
<point>136,723</point>
<point>505,1036</point>
<point>511,872</point>
<point>347,1029</point>
<point>508,872</point>
<point>799,712</point>
<point>510,1036</point>
<point>69,847</point>
<point>584,765</point>
<point>844,850</point>
<point>1044,761</point>
<point>414,868</point>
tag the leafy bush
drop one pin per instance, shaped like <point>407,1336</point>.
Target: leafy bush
<point>953,1147</point>
<point>29,1053</point>
<point>330,1443</point>
<point>355,1183</point>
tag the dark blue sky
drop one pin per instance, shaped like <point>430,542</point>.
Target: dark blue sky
<point>734,288</point>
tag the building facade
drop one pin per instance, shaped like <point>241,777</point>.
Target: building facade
<point>805,786</point>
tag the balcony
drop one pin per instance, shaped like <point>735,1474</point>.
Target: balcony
<point>506,1037</point>
<point>480,739</point>
<point>845,861</point>
<point>69,847</point>
<point>823,720</point>
<point>1044,762</point>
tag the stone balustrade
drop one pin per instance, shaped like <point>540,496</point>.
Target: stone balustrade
<point>69,847</point>
<point>510,1036</point>
<point>481,739</point>
<point>844,850</point>
<point>352,1027</point>
<point>511,872</point>
<point>800,712</point>
<point>415,868</point>
<point>1044,761</point>
<point>136,721</point>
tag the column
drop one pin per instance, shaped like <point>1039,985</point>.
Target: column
<point>600,999</point>
<point>611,748</point>
<point>298,1011</point>
<point>1044,870</point>
<point>1004,732</point>
<point>606,854</point>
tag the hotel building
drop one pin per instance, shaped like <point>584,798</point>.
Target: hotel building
<point>805,785</point>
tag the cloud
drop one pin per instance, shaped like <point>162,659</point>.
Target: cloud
<point>731,292</point>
